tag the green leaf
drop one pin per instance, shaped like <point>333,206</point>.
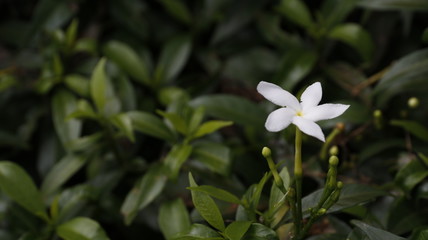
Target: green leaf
<point>410,175</point>
<point>196,119</point>
<point>127,94</point>
<point>150,124</point>
<point>415,128</point>
<point>217,157</point>
<point>81,228</point>
<point>128,60</point>
<point>173,58</point>
<point>178,10</point>
<point>199,231</point>
<point>399,5</point>
<point>236,230</point>
<point>124,123</point>
<point>61,172</point>
<point>336,11</point>
<point>83,110</point>
<point>294,66</point>
<point>406,75</point>
<point>217,193</point>
<point>419,234</point>
<point>64,103</point>
<point>297,12</point>
<point>351,195</point>
<point>175,159</point>
<point>70,35</point>
<point>211,126</point>
<point>206,206</point>
<point>99,85</point>
<point>144,192</point>
<point>258,231</point>
<point>176,120</point>
<point>233,108</point>
<point>173,218</point>
<point>277,198</point>
<point>355,36</point>
<point>374,148</point>
<point>78,84</point>
<point>375,233</point>
<point>19,186</point>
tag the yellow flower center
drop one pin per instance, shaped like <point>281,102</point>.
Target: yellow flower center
<point>299,113</point>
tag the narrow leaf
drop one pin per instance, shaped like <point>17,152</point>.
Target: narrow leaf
<point>150,124</point>
<point>211,126</point>
<point>217,193</point>
<point>99,85</point>
<point>175,159</point>
<point>124,123</point>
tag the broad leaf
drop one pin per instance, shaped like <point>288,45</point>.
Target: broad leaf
<point>198,231</point>
<point>99,85</point>
<point>236,230</point>
<point>258,231</point>
<point>150,124</point>
<point>297,12</point>
<point>217,193</point>
<point>399,5</point>
<point>19,186</point>
<point>178,10</point>
<point>78,84</point>
<point>124,123</point>
<point>175,159</point>
<point>410,175</point>
<point>81,228</point>
<point>210,126</point>
<point>415,128</point>
<point>206,206</point>
<point>217,157</point>
<point>375,233</point>
<point>173,218</point>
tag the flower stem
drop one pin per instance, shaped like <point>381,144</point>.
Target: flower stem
<point>298,179</point>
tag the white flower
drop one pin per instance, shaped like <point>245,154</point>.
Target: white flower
<point>303,114</point>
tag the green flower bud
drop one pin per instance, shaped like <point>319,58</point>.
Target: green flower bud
<point>266,152</point>
<point>334,150</point>
<point>322,211</point>
<point>413,102</point>
<point>333,160</point>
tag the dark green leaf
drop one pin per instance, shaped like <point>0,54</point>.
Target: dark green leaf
<point>410,175</point>
<point>151,125</point>
<point>175,159</point>
<point>128,60</point>
<point>415,128</point>
<point>399,5</point>
<point>335,11</point>
<point>199,231</point>
<point>206,206</point>
<point>355,36</point>
<point>176,120</point>
<point>173,58</point>
<point>61,172</point>
<point>233,108</point>
<point>173,218</point>
<point>236,230</point>
<point>124,123</point>
<point>99,85</point>
<point>19,186</point>
<point>211,126</point>
<point>217,157</point>
<point>144,192</point>
<point>177,9</point>
<point>377,147</point>
<point>258,231</point>
<point>375,233</point>
<point>64,103</point>
<point>81,228</point>
<point>217,193</point>
<point>297,12</point>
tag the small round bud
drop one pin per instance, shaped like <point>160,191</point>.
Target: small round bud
<point>340,126</point>
<point>322,211</point>
<point>413,102</point>
<point>339,184</point>
<point>377,113</point>
<point>334,150</point>
<point>333,160</point>
<point>266,152</point>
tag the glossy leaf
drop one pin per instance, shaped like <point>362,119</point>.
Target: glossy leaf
<point>173,58</point>
<point>211,126</point>
<point>64,103</point>
<point>61,172</point>
<point>258,231</point>
<point>233,108</point>
<point>217,157</point>
<point>355,36</point>
<point>198,231</point>
<point>206,207</point>
<point>217,193</point>
<point>375,233</point>
<point>151,125</point>
<point>407,74</point>
<point>19,186</point>
<point>128,60</point>
<point>410,175</point>
<point>124,123</point>
<point>236,230</point>
<point>81,228</point>
<point>173,218</point>
<point>175,159</point>
<point>415,128</point>
<point>99,85</point>
<point>144,192</point>
<point>297,12</point>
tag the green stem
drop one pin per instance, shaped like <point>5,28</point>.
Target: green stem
<point>298,178</point>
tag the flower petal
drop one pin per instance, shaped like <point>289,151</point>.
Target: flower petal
<point>277,95</point>
<point>325,111</point>
<point>309,127</point>
<point>311,96</point>
<point>279,119</point>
